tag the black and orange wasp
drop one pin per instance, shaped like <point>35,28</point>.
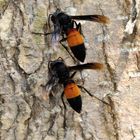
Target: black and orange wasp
<point>66,26</point>
<point>61,74</point>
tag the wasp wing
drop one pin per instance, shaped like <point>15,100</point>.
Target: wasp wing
<point>96,66</point>
<point>96,18</point>
<point>55,41</point>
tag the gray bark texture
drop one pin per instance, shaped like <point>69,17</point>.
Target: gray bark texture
<point>27,112</point>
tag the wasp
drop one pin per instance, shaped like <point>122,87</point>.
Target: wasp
<point>67,27</point>
<point>61,74</point>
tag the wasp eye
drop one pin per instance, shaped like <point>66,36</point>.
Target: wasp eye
<point>53,19</point>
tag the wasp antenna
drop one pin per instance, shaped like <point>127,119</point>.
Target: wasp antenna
<point>45,34</point>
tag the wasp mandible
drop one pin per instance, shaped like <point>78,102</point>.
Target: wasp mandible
<point>66,26</point>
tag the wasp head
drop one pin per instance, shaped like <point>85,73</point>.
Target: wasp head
<point>54,16</point>
<point>59,70</point>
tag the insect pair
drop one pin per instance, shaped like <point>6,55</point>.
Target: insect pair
<point>59,72</point>
<point>66,26</point>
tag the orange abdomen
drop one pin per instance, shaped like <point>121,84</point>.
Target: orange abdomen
<point>71,91</point>
<point>74,38</point>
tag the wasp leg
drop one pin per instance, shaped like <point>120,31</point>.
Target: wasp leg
<point>64,122</point>
<point>80,75</point>
<point>66,48</point>
<point>82,78</point>
<point>79,28</point>
<point>73,75</point>
<point>93,95</point>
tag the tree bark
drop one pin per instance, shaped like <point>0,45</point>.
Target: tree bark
<point>27,112</point>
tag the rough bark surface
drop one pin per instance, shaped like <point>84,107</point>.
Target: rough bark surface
<point>27,112</point>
